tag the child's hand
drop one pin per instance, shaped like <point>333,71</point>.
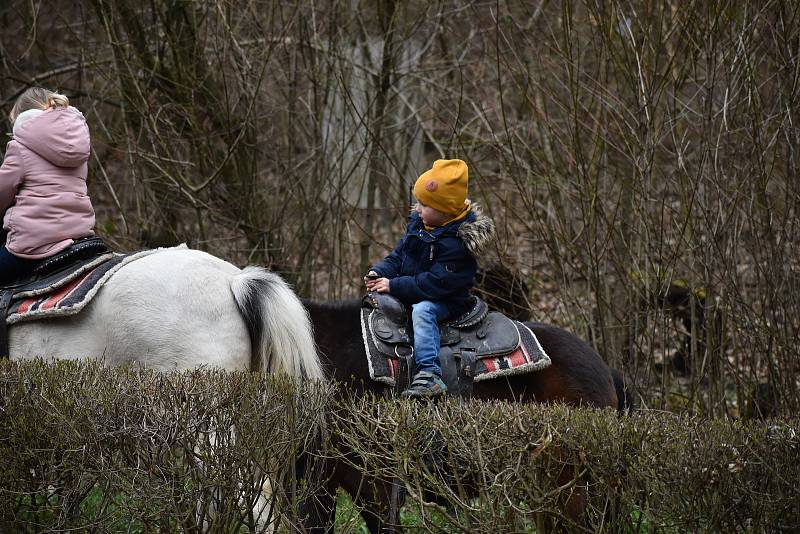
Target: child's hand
<point>381,285</point>
<point>374,282</point>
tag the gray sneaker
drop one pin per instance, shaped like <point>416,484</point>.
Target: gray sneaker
<point>425,385</point>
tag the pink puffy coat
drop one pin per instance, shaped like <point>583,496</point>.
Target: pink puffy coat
<point>43,184</point>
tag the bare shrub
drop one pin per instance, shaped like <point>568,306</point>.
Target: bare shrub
<point>90,447</point>
<point>498,467</point>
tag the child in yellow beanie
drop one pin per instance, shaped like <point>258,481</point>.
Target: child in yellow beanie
<point>432,268</point>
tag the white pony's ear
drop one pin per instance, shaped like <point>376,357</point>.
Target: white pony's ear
<point>24,116</point>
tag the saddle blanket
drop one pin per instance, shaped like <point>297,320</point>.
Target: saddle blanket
<point>70,294</point>
<point>527,357</point>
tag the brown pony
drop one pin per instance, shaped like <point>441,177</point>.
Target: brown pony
<point>577,376</point>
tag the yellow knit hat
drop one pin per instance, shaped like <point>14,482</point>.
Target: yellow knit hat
<point>444,186</point>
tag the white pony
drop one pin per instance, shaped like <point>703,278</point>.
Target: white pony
<point>181,309</point>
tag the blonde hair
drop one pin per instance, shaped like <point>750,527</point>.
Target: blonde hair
<point>37,98</point>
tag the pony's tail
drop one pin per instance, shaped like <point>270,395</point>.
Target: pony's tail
<point>624,398</point>
<point>280,330</point>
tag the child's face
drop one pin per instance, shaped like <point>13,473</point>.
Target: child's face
<point>430,216</point>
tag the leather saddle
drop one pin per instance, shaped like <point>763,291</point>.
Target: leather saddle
<point>51,273</point>
<point>476,334</point>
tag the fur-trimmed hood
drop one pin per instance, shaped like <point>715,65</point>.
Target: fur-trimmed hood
<point>477,234</point>
<point>476,230</point>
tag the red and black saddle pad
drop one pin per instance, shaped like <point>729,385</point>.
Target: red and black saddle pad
<point>64,296</point>
<point>529,356</point>
<point>67,292</point>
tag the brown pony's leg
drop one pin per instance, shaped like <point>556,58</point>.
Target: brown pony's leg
<point>318,511</point>
<point>574,504</point>
<point>577,501</point>
<point>369,495</point>
<point>319,515</point>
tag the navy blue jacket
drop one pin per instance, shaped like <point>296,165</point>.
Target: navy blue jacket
<point>431,265</point>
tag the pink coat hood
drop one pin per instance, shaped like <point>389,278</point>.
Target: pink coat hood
<point>43,183</point>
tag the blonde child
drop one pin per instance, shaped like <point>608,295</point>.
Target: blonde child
<point>43,182</point>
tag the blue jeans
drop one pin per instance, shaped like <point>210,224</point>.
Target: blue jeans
<point>425,317</point>
<point>13,268</point>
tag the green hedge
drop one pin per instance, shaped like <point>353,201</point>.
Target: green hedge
<point>82,446</point>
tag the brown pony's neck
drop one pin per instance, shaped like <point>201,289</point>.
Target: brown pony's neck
<point>335,312</point>
<point>336,324</point>
<point>337,333</point>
